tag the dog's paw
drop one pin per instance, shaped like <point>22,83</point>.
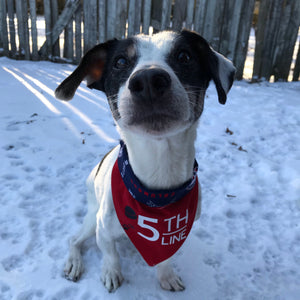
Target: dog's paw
<point>168,279</point>
<point>74,266</point>
<point>173,284</point>
<point>112,279</point>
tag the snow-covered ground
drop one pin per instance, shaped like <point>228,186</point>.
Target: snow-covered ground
<point>246,244</point>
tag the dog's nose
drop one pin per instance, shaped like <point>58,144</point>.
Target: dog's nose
<point>149,84</point>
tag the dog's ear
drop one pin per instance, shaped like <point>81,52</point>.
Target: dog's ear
<point>218,68</point>
<point>222,72</point>
<point>91,68</point>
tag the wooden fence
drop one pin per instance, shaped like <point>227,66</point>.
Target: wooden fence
<point>225,24</point>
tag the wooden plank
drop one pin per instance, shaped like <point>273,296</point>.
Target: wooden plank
<point>146,16</point>
<point>166,14</point>
<point>68,41</point>
<point>32,5</point>
<point>92,23</point>
<point>270,39</point>
<point>213,22</point>
<point>47,14</point>
<point>242,38</point>
<point>86,26</point>
<point>200,13</point>
<point>111,19</point>
<point>156,15</point>
<point>54,18</point>
<point>262,21</point>
<point>121,17</point>
<point>179,14</point>
<point>23,32</point>
<point>3,28</point>
<point>190,14</point>
<point>138,16</point>
<point>78,44</point>
<point>12,30</point>
<point>286,40</point>
<point>229,26</point>
<point>102,21</point>
<point>233,28</point>
<point>297,67</point>
<point>131,17</point>
<point>21,35</point>
<point>266,38</point>
<point>63,20</point>
<point>26,30</point>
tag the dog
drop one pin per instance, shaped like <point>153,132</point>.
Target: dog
<point>155,87</point>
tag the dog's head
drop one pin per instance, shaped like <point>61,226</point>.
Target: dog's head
<point>154,84</point>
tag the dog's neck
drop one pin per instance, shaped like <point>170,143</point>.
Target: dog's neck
<point>162,163</point>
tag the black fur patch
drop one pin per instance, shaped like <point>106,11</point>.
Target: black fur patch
<point>113,78</point>
<point>202,67</point>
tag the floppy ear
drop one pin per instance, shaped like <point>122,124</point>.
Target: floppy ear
<point>222,72</point>
<point>91,68</point>
<point>218,68</point>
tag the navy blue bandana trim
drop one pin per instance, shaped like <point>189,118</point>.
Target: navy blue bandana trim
<point>152,198</point>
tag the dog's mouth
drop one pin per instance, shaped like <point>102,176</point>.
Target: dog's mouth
<point>153,118</point>
<point>156,124</point>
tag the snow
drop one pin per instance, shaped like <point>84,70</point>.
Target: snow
<point>246,244</point>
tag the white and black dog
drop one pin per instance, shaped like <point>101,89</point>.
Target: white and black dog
<point>147,187</point>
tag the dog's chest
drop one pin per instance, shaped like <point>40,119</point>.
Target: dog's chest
<point>156,221</point>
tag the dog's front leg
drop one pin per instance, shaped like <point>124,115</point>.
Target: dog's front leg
<point>74,265</point>
<point>111,275</point>
<point>168,279</point>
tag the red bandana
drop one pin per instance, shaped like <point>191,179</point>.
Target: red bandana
<point>157,222</point>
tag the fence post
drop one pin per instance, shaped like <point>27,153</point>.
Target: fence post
<point>3,28</point>
<point>297,67</point>
<point>200,12</point>
<point>286,39</point>
<point>90,23</point>
<point>64,18</point>
<point>189,14</point>
<point>78,19</point>
<point>93,23</point>
<point>47,14</point>
<point>131,17</point>
<point>137,19</point>
<point>32,6</point>
<point>12,30</point>
<point>229,27</point>
<point>102,21</point>
<point>156,14</point>
<point>146,16</point>
<point>179,14</point>
<point>165,14</point>
<point>241,43</point>
<point>267,27</point>
<point>121,16</point>
<point>277,30</point>
<point>212,26</point>
<point>68,41</point>
<point>54,17</point>
<point>23,32</point>
<point>111,11</point>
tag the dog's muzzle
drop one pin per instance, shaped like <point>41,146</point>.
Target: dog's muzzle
<point>149,84</point>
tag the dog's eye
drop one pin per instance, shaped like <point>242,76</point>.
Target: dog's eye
<point>183,57</point>
<point>121,63</point>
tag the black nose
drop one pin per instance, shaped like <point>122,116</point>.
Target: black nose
<point>149,84</point>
